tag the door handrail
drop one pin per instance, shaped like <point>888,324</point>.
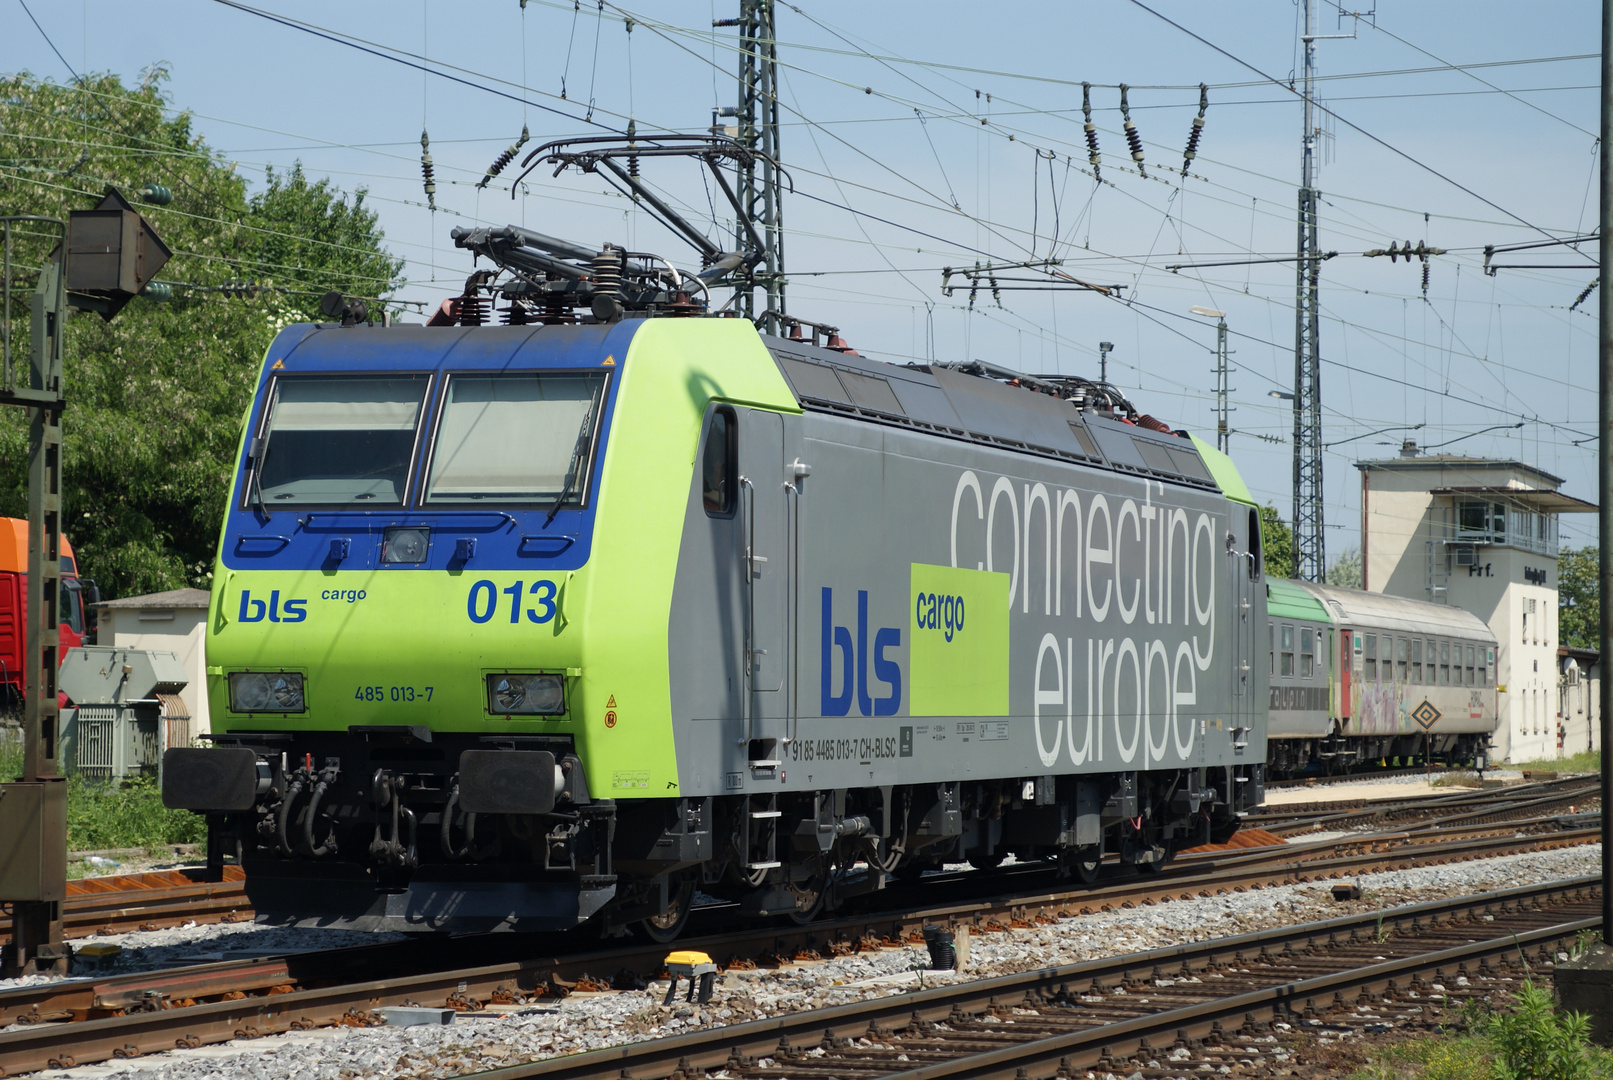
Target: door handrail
<point>745,703</point>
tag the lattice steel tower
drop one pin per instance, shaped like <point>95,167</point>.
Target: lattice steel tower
<point>1310,546</point>
<point>760,191</point>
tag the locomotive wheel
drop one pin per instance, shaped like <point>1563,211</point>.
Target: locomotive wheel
<point>987,862</point>
<point>1085,863</point>
<point>666,927</point>
<point>809,897</point>
<point>1154,866</point>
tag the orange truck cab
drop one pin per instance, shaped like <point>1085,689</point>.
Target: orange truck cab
<point>72,616</point>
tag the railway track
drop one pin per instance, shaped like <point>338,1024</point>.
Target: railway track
<point>163,899</point>
<point>150,901</point>
<point>128,1015</point>
<point>1187,1008</point>
<point>1471,806</point>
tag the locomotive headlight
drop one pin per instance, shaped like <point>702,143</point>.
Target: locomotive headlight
<point>540,695</point>
<point>260,691</point>
<point>405,545</point>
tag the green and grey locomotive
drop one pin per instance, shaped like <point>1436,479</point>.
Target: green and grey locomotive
<point>522,626</point>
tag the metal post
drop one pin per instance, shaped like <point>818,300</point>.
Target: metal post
<point>760,190</point>
<point>36,933</point>
<point>1604,460</point>
<point>1310,555</point>
<point>1223,425</point>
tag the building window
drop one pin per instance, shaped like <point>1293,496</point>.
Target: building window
<point>1288,652</point>
<point>1307,653</point>
<point>1369,649</point>
<point>1402,654</point>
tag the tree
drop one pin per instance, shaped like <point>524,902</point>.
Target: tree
<point>1346,571</point>
<point>1579,608</point>
<point>1277,541</point>
<point>155,399</point>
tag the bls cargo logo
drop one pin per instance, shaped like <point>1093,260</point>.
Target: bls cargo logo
<point>272,609</point>
<point>854,656</point>
<point>957,657</point>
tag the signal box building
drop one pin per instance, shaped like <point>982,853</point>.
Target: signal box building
<point>1482,535</point>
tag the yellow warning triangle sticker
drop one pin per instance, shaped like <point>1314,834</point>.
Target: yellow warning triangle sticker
<point>610,361</point>
<point>611,704</point>
<point>278,365</point>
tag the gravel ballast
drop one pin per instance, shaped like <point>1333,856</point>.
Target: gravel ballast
<point>590,1022</point>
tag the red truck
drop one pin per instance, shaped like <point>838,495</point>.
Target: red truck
<point>73,616</point>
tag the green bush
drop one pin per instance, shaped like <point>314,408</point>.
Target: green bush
<point>1535,1042</point>
<point>107,815</point>
<point>127,815</point>
<point>1527,1039</point>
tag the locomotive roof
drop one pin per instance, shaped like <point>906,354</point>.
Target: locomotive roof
<point>1375,610</point>
<point>984,410</point>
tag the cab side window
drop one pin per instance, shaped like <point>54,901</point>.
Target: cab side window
<point>719,464</point>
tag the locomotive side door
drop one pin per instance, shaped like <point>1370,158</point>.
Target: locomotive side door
<point>763,567</point>
<point>1244,562</point>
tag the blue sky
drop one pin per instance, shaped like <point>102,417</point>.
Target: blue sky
<point>954,132</point>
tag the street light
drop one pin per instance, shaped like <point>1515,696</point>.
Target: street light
<point>1280,395</point>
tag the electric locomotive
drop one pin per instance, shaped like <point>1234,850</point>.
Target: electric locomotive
<point>529,625</point>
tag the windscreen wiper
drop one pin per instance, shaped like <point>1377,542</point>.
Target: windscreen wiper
<point>259,450</point>
<point>573,467</point>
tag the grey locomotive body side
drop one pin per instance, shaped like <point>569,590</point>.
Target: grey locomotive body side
<point>958,649</point>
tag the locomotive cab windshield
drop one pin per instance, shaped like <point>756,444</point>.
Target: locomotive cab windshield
<point>343,440</point>
<point>522,437</point>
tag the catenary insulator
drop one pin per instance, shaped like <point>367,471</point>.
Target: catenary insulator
<point>1425,277</point>
<point>606,270</point>
<point>1197,132</point>
<point>1584,294</point>
<point>506,157</point>
<point>1093,158</point>
<point>428,173</point>
<point>1133,140</point>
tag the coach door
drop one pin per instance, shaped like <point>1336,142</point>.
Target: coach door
<point>763,567</point>
<point>1346,674</point>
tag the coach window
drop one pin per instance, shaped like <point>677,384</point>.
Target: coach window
<point>1469,675</point>
<point>720,463</point>
<point>1402,655</point>
<point>1288,652</point>
<point>1484,666</point>
<point>1369,650</point>
<point>1417,660</point>
<point>1307,653</point>
<point>1271,633</point>
<point>1445,663</point>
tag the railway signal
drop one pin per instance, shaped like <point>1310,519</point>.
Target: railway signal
<point>104,257</point>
